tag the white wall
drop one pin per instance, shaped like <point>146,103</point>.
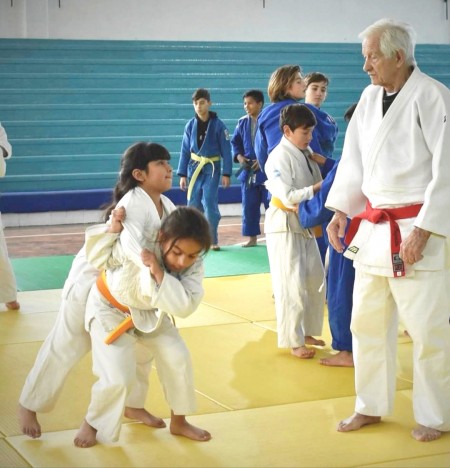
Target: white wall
<point>218,20</point>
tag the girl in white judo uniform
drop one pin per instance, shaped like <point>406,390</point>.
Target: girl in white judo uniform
<point>295,265</point>
<point>165,281</point>
<point>8,286</point>
<point>68,340</point>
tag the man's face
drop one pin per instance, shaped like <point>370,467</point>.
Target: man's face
<point>382,71</point>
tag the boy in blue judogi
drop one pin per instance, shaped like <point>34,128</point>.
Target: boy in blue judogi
<point>205,144</point>
<point>251,177</point>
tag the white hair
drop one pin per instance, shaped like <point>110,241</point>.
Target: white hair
<point>394,36</point>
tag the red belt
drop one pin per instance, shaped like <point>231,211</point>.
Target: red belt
<point>377,215</point>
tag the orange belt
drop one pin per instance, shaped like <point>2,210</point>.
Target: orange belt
<point>127,323</point>
<point>377,215</point>
<point>316,230</point>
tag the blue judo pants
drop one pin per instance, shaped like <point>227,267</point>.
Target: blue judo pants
<point>252,197</point>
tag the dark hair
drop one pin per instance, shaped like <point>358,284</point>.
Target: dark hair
<point>316,77</point>
<point>201,93</point>
<point>137,156</point>
<point>297,115</point>
<point>281,80</point>
<point>256,94</point>
<point>186,222</point>
<point>349,112</point>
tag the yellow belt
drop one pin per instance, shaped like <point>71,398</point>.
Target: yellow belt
<point>316,230</point>
<point>202,160</point>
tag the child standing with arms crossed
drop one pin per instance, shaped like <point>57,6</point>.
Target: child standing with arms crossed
<point>324,134</point>
<point>293,175</point>
<point>251,177</point>
<point>145,173</point>
<point>167,281</point>
<point>205,145</point>
<point>326,130</point>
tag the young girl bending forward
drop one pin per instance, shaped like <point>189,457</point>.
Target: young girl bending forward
<point>168,281</point>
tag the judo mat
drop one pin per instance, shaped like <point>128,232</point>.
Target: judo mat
<point>264,407</point>
<point>36,273</point>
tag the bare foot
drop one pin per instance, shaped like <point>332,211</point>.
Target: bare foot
<point>13,305</point>
<point>29,424</point>
<point>179,426</point>
<point>314,341</point>
<point>141,414</point>
<point>215,247</point>
<point>303,352</point>
<point>86,436</point>
<point>251,243</point>
<point>341,359</point>
<point>357,421</point>
<point>425,434</point>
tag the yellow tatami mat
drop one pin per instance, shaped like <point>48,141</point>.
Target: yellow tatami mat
<point>264,407</point>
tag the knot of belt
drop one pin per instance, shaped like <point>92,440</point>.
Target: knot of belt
<point>377,215</point>
<point>316,230</point>
<point>127,323</point>
<point>202,161</point>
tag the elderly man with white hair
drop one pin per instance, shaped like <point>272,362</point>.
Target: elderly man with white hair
<point>394,182</point>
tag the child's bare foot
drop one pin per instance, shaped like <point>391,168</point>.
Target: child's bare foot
<point>86,436</point>
<point>179,426</point>
<point>29,424</point>
<point>425,434</point>
<point>303,352</point>
<point>314,341</point>
<point>341,359</point>
<point>13,305</point>
<point>141,414</point>
<point>251,243</point>
<point>357,421</point>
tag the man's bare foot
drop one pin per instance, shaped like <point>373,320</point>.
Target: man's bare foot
<point>86,436</point>
<point>179,426</point>
<point>13,305</point>
<point>314,341</point>
<point>341,359</point>
<point>357,421</point>
<point>425,434</point>
<point>29,424</point>
<point>251,243</point>
<point>303,352</point>
<point>141,414</point>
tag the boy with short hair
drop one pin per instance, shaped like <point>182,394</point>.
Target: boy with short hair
<point>293,175</point>
<point>324,134</point>
<point>326,129</point>
<point>205,144</point>
<point>251,177</point>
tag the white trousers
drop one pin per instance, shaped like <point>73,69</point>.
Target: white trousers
<point>297,281</point>
<point>422,303</point>
<point>67,342</point>
<point>8,287</point>
<point>123,371</point>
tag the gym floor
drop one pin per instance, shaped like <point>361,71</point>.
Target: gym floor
<point>264,407</point>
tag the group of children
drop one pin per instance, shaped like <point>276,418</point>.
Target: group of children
<point>144,265</point>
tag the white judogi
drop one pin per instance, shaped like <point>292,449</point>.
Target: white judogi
<point>8,286</point>
<point>68,340</point>
<point>397,160</point>
<point>155,335</point>
<point>296,268</point>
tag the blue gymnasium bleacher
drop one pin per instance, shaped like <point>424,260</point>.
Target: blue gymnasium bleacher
<point>71,108</point>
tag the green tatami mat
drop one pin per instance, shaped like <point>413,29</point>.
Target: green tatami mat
<point>233,260</point>
<point>36,273</point>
